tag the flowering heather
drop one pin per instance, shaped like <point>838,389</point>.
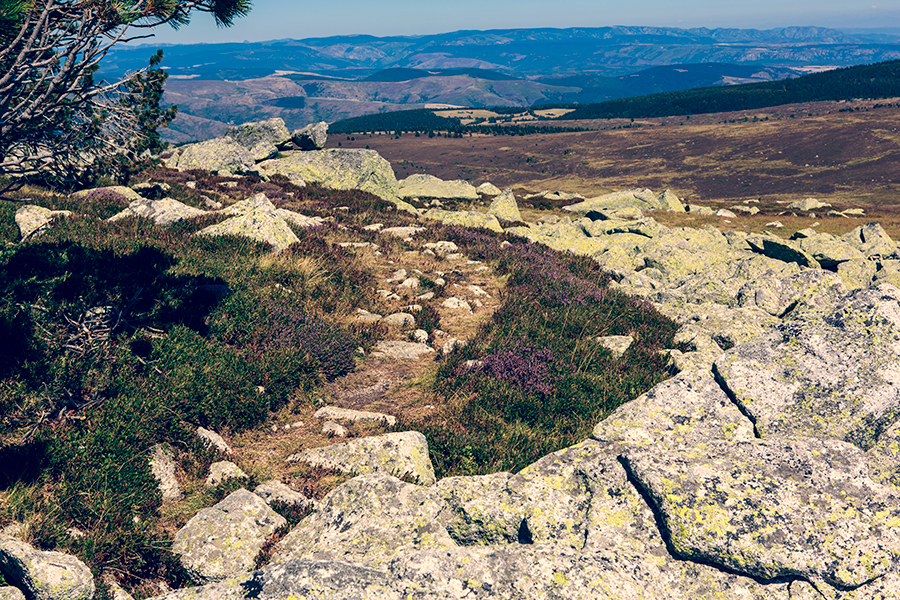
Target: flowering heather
<point>523,367</point>
<point>285,327</point>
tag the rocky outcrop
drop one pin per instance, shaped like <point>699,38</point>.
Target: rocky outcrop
<point>222,541</point>
<point>347,169</point>
<point>222,156</point>
<point>430,187</point>
<point>643,200</point>
<point>469,218</point>
<point>262,139</point>
<point>44,575</point>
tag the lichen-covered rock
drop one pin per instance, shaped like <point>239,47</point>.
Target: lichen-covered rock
<point>799,508</point>
<point>828,250</point>
<point>480,511</point>
<point>783,250</point>
<point>688,410</point>
<point>371,519</point>
<point>30,218</point>
<point>504,207</point>
<point>679,253</point>
<point>833,377</point>
<point>276,491</point>
<point>311,137</point>
<point>9,592</point>
<point>399,454</point>
<point>261,138</point>
<point>858,274</point>
<point>342,169</point>
<point>336,412</point>
<point>161,212</point>
<point>213,440</point>
<point>44,575</point>
<point>221,470</point>
<point>222,541</point>
<point>424,186</point>
<point>644,200</point>
<point>872,240</point>
<point>488,189</point>
<point>222,156</point>
<point>809,290</point>
<point>257,219</point>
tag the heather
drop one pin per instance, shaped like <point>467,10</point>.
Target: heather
<point>535,379</point>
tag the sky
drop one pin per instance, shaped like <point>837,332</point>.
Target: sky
<point>297,19</point>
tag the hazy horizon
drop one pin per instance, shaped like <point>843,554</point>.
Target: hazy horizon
<point>281,19</point>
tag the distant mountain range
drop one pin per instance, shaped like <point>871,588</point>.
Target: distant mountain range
<point>338,77</point>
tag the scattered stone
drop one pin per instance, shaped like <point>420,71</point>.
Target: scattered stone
<point>775,224</point>
<point>222,470</point>
<point>365,316</point>
<point>722,212</point>
<point>403,232</point>
<point>9,592</point>
<point>703,211</point>
<point>332,429</point>
<point>401,320</point>
<point>451,345</point>
<point>399,454</point>
<point>312,137</point>
<point>465,219</point>
<point>421,336</point>
<point>31,219</point>
<point>44,575</point>
<point>398,275</point>
<point>488,189</point>
<point>617,344</point>
<point>214,440</point>
<point>374,227</point>
<point>223,541</point>
<point>456,304</point>
<point>401,350</point>
<point>335,412</point>
<point>872,240</point>
<point>163,467</point>
<point>257,219</point>
<point>807,204</point>
<point>261,138</point>
<point>154,190</point>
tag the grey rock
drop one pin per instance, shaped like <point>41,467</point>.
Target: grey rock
<point>342,169</point>
<point>312,137</point>
<point>402,320</point>
<point>644,200</point>
<point>255,218</point>
<point>276,491</point>
<point>399,454</point>
<point>465,218</point>
<point>163,467</point>
<point>833,377</point>
<point>31,219</point>
<point>807,204</point>
<point>442,248</point>
<point>333,579</point>
<point>456,304</point>
<point>452,344</point>
<point>783,250</point>
<point>872,240</point>
<point>403,232</point>
<point>44,575</point>
<point>221,470</point>
<point>370,520</point>
<point>723,212</point>
<point>161,212</point>
<point>11,593</point>
<point>336,412</point>
<point>488,189</point>
<point>504,207</point>
<point>332,429</point>
<point>213,440</point>
<point>154,190</point>
<point>617,344</point>
<point>765,509</point>
<point>858,274</point>
<point>828,250</point>
<point>479,511</point>
<point>261,138</point>
<point>222,541</point>
<point>428,186</point>
<point>221,156</point>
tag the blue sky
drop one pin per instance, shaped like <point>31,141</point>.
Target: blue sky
<point>276,19</point>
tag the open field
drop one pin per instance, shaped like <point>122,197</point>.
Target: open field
<point>847,154</point>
